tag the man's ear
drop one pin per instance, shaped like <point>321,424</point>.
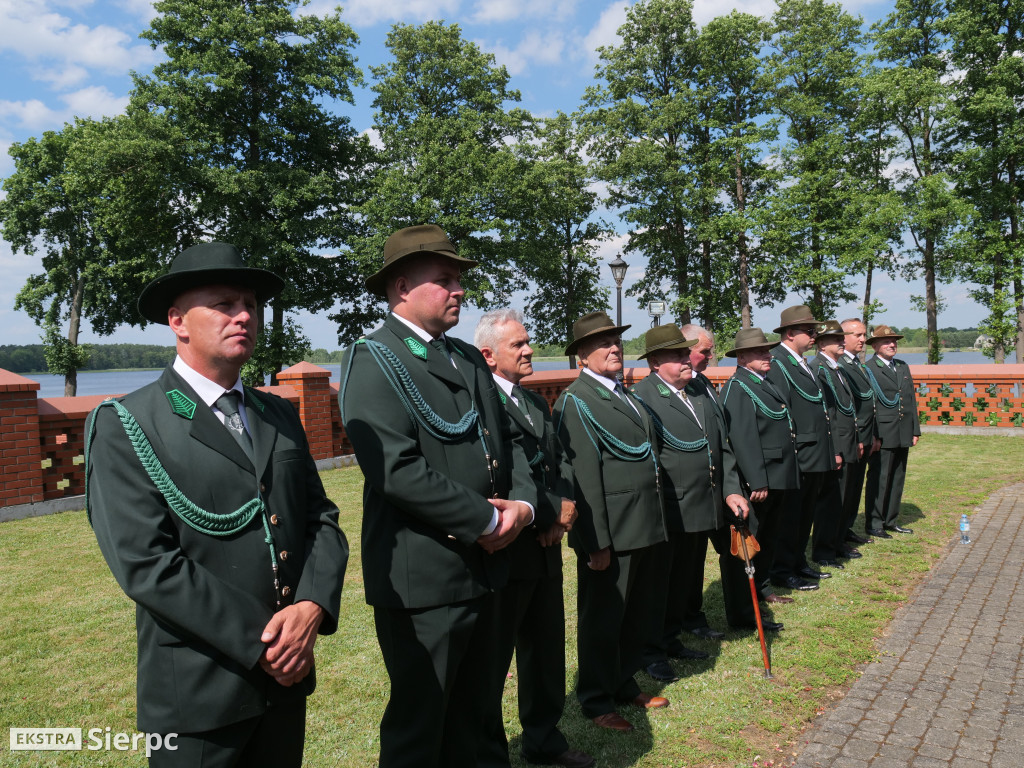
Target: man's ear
<point>176,320</point>
<point>488,354</point>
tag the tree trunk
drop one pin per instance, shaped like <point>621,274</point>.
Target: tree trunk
<point>278,320</point>
<point>741,247</point>
<point>931,300</point>
<point>74,323</point>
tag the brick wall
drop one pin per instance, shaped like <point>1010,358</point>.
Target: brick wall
<point>42,440</point>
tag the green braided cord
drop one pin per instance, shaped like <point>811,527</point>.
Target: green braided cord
<point>673,442</point>
<point>878,391</point>
<point>845,409</point>
<point>759,404</point>
<point>809,398</point>
<point>857,393</point>
<point>409,395</point>
<point>616,447</point>
<point>537,459</point>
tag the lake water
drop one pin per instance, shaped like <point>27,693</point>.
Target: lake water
<point>121,382</point>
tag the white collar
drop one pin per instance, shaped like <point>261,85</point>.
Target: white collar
<point>208,391</point>
<point>755,373</point>
<point>611,384</point>
<point>505,384</point>
<point>800,358</point>
<point>424,336</point>
<point>829,361</point>
<point>887,362</point>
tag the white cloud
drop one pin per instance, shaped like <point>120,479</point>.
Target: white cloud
<point>141,9</point>
<point>533,48</point>
<point>606,31</point>
<point>705,10</point>
<point>366,13</point>
<point>491,11</point>
<point>95,102</point>
<point>31,115</point>
<point>38,35</point>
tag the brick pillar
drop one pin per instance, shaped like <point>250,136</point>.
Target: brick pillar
<point>21,475</point>
<point>313,385</point>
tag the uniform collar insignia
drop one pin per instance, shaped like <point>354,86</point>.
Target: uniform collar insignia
<point>504,399</point>
<point>604,393</point>
<point>794,361</point>
<point>663,390</point>
<point>181,404</point>
<point>879,363</point>
<point>416,347</point>
<point>754,378</point>
<point>254,401</point>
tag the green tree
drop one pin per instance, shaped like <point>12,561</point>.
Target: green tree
<point>814,70</point>
<point>77,198</point>
<point>551,209</point>
<point>270,168</point>
<point>987,59</point>
<point>915,88</point>
<point>444,119</point>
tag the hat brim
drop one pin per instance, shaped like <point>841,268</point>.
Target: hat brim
<point>684,344</point>
<point>575,344</point>
<point>158,297</point>
<point>767,345</point>
<point>804,321</point>
<point>377,283</point>
<point>894,336</point>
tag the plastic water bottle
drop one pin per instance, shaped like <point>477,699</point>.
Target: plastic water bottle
<point>965,530</point>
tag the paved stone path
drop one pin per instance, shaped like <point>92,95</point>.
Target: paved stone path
<point>948,687</point>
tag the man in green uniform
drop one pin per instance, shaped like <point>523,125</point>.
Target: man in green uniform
<point>446,488</point>
<point>761,433</point>
<point>530,609</point>
<point>609,439</point>
<point>828,544</point>
<point>791,375</point>
<point>898,429</point>
<point>224,538</point>
<point>701,490</point>
<point>867,433</point>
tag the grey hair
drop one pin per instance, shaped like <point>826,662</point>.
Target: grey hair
<point>853,320</point>
<point>487,330</point>
<point>695,333</point>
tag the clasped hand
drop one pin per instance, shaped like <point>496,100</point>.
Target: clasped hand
<point>289,637</point>
<point>513,516</point>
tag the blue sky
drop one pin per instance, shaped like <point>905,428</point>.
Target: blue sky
<point>67,58</point>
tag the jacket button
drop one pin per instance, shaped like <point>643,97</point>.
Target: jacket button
<point>273,520</point>
<point>495,462</point>
<point>450,536</point>
<point>286,591</point>
<point>284,554</point>
<point>263,487</point>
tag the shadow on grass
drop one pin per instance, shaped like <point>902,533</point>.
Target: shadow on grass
<point>909,513</point>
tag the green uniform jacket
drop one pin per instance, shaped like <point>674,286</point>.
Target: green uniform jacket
<point>842,408</point>
<point>425,498</point>
<point>860,385</point>
<point>553,476</point>
<point>765,448</point>
<point>815,452</point>
<point>618,500</point>
<point>202,601</point>
<point>694,483</point>
<point>897,424</point>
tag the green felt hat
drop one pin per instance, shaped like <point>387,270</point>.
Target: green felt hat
<point>665,337</point>
<point>749,338</point>
<point>413,241</point>
<point>798,315</point>
<point>204,264</point>
<point>591,324</point>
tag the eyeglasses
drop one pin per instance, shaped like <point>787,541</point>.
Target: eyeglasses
<point>808,331</point>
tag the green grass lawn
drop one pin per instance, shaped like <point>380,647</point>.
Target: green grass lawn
<point>68,639</point>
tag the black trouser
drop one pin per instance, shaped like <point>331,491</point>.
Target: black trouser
<point>887,471</point>
<point>435,658</point>
<point>769,515</point>
<point>620,609</point>
<point>272,740</point>
<point>829,529</point>
<point>795,529</point>
<point>851,486</point>
<point>531,620</point>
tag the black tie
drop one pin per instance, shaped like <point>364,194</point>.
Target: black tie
<point>228,405</point>
<point>520,397</point>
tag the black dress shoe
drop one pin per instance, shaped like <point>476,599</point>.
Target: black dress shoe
<point>898,529</point>
<point>809,573</point>
<point>855,538</point>
<point>690,654</point>
<point>662,671</point>
<point>773,598</point>
<point>794,582</point>
<point>571,758</point>
<point>878,533</point>
<point>707,633</point>
<point>828,563</point>
<point>850,553</point>
<point>766,625</point>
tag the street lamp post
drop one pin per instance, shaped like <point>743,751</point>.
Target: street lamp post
<point>618,267</point>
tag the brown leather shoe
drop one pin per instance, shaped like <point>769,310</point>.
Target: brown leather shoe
<point>778,599</point>
<point>613,721</point>
<point>571,758</point>
<point>647,701</point>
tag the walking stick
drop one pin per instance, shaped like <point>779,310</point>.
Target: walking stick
<point>749,568</point>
